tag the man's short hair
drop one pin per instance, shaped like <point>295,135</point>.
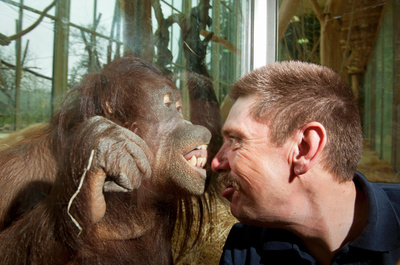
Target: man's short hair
<point>292,94</point>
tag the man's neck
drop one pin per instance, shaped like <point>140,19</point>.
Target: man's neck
<point>336,216</point>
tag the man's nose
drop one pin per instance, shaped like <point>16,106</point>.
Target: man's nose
<point>220,163</point>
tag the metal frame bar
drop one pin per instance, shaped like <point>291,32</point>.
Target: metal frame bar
<point>261,41</point>
<point>60,59</point>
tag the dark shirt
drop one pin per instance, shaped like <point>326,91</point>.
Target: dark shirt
<point>378,244</point>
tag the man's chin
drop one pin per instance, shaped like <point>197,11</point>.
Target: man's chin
<point>236,210</point>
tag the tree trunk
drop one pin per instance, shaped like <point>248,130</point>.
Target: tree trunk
<point>138,34</point>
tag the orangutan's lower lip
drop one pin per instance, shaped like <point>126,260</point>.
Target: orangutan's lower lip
<point>198,156</point>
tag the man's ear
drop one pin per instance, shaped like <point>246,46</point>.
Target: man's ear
<point>311,140</point>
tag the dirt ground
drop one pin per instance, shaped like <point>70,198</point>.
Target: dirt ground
<point>375,169</point>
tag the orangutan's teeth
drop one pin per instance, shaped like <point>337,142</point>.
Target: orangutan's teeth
<point>201,161</point>
<point>193,161</point>
<point>202,147</point>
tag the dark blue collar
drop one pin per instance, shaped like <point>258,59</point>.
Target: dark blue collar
<point>382,232</point>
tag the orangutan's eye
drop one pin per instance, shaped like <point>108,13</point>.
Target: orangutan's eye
<point>178,107</point>
<point>167,100</point>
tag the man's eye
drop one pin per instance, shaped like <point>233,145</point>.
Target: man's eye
<point>234,141</point>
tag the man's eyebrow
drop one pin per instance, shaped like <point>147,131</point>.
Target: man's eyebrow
<point>225,132</point>
<point>230,131</point>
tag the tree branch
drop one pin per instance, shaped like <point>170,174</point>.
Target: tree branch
<point>318,11</point>
<point>4,40</point>
<point>220,40</point>
<point>26,70</point>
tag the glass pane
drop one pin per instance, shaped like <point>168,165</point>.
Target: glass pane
<point>78,37</point>
<point>39,5</point>
<point>47,47</point>
<point>355,39</point>
<point>26,66</point>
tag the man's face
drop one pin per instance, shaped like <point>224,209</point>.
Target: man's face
<point>257,173</point>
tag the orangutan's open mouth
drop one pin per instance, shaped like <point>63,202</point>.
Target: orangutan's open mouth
<point>198,156</point>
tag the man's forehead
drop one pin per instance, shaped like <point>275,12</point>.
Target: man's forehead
<point>239,112</point>
<point>242,107</point>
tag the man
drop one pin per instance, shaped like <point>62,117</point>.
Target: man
<point>292,142</point>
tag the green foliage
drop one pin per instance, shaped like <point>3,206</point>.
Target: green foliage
<point>301,40</point>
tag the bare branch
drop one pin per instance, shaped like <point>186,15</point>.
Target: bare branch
<point>26,70</point>
<point>4,40</point>
<point>220,40</point>
<point>318,11</point>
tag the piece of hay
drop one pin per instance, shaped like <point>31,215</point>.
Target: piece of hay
<point>210,248</point>
<point>78,190</point>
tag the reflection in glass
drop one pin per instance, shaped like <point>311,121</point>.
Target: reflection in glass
<point>354,38</point>
<point>76,37</point>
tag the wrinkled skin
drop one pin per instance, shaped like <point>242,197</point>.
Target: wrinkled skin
<point>172,137</point>
<point>125,140</point>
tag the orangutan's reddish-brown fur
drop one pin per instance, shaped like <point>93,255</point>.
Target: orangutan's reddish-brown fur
<point>134,190</point>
